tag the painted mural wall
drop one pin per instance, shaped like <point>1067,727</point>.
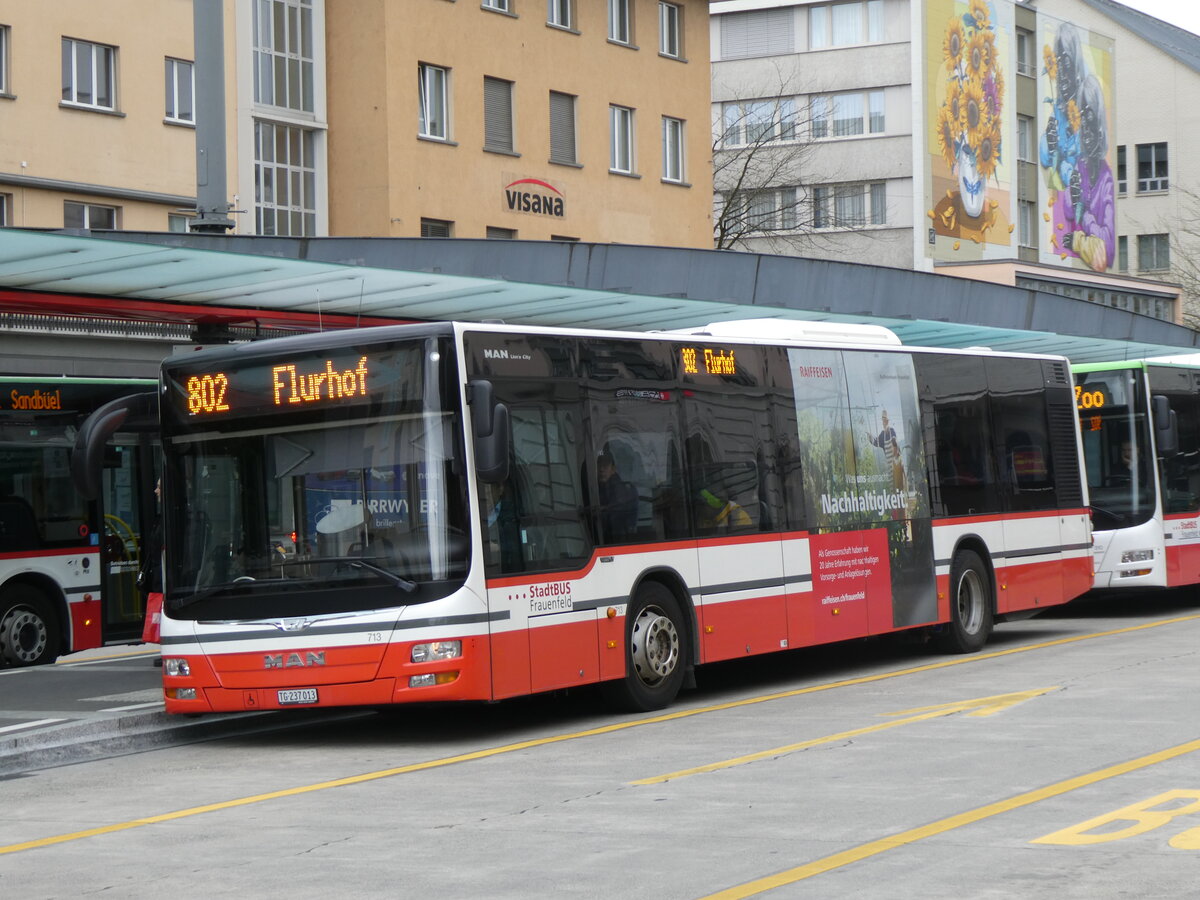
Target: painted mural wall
<point>970,180</point>
<point>1076,152</point>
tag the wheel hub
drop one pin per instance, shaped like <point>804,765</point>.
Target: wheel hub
<point>23,636</point>
<point>655,646</point>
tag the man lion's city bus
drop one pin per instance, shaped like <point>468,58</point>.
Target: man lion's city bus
<point>427,512</point>
<point>68,565</point>
<point>1141,436</point>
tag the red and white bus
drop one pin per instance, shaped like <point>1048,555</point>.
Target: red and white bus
<point>428,512</point>
<point>68,565</point>
<point>1141,438</point>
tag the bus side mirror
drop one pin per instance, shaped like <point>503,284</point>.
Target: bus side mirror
<point>1166,426</point>
<point>492,432</point>
<point>135,412</point>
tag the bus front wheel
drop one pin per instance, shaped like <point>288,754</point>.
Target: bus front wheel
<point>970,605</point>
<point>28,628</point>
<point>655,652</point>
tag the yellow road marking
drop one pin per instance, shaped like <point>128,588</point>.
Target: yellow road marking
<point>591,732</point>
<point>873,848</point>
<point>981,706</point>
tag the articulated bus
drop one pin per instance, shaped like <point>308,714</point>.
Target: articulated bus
<point>1140,421</point>
<point>473,512</point>
<point>68,565</point>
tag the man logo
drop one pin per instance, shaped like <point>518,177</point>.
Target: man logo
<point>294,660</point>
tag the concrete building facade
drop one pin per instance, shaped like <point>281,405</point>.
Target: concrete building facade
<point>506,118</point>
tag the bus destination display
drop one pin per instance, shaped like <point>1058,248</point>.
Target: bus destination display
<point>281,386</point>
<point>706,361</point>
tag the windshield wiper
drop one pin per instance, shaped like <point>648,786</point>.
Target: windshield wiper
<point>357,562</point>
<point>205,593</point>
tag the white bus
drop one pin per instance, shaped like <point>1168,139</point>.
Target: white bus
<point>429,512</point>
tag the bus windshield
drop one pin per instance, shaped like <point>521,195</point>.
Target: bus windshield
<point>1116,446</point>
<point>282,514</point>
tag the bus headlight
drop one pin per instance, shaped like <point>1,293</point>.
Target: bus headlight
<point>432,678</point>
<point>176,667</point>
<point>1132,556</point>
<point>436,650</point>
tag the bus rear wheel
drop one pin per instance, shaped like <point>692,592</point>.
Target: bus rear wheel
<point>28,629</point>
<point>970,605</point>
<point>656,652</point>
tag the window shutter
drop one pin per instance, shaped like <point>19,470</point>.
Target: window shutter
<point>562,128</point>
<point>763,32</point>
<point>497,114</point>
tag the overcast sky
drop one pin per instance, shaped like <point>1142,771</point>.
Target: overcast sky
<point>1184,13</point>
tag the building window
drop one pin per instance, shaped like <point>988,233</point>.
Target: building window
<point>672,144</point>
<point>753,122</point>
<point>563,237</point>
<point>562,128</point>
<point>436,228</point>
<point>763,212</point>
<point>670,36</point>
<point>497,115</point>
<point>1152,168</point>
<point>4,59</point>
<point>845,115</point>
<point>88,215</point>
<point>1123,253</point>
<point>285,178</point>
<point>283,54</point>
<point>765,32</point>
<point>1026,54</point>
<point>1122,171</point>
<point>1154,252</point>
<point>844,24</point>
<point>181,91</point>
<point>620,26</point>
<point>620,158</point>
<point>560,13</point>
<point>178,224</point>
<point>501,234</point>
<point>849,205</point>
<point>498,5</point>
<point>1026,131</point>
<point>5,207</point>
<point>431,86</point>
<point>1027,223</point>
<point>87,74</point>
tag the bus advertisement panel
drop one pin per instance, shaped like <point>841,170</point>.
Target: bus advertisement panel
<point>484,511</point>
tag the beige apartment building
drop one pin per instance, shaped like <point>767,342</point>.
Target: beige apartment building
<point>528,119</point>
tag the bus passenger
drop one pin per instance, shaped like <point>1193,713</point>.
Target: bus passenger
<point>618,501</point>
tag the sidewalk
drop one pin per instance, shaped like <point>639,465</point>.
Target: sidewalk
<point>94,704</point>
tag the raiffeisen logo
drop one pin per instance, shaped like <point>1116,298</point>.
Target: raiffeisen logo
<point>532,195</point>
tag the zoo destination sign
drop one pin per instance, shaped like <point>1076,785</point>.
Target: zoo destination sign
<point>533,196</point>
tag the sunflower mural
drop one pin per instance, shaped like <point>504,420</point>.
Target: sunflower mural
<point>969,96</point>
<point>1073,149</point>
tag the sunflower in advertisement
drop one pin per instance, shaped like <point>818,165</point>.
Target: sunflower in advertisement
<point>968,119</point>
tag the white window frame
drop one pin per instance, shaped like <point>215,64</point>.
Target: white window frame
<point>849,207</point>
<point>561,13</point>
<point>1154,183</point>
<point>563,159</point>
<point>766,211</point>
<point>177,223</point>
<point>1026,53</point>
<point>285,190</point>
<point>825,121</point>
<point>673,131</point>
<point>748,122</point>
<point>283,42</point>
<point>1027,223</point>
<point>822,27</point>
<point>4,59</point>
<point>429,78</point>
<point>498,106</point>
<point>100,60</point>
<point>5,209</point>
<point>89,211</point>
<point>620,22</point>
<point>177,71</point>
<point>1026,139</point>
<point>670,29</point>
<point>1122,172</point>
<point>497,5</point>
<point>621,144</point>
<point>1161,257</point>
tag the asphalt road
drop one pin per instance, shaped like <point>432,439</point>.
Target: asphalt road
<point>1062,761</point>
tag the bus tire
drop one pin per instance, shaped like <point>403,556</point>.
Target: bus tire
<point>656,652</point>
<point>29,633</point>
<point>970,605</point>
